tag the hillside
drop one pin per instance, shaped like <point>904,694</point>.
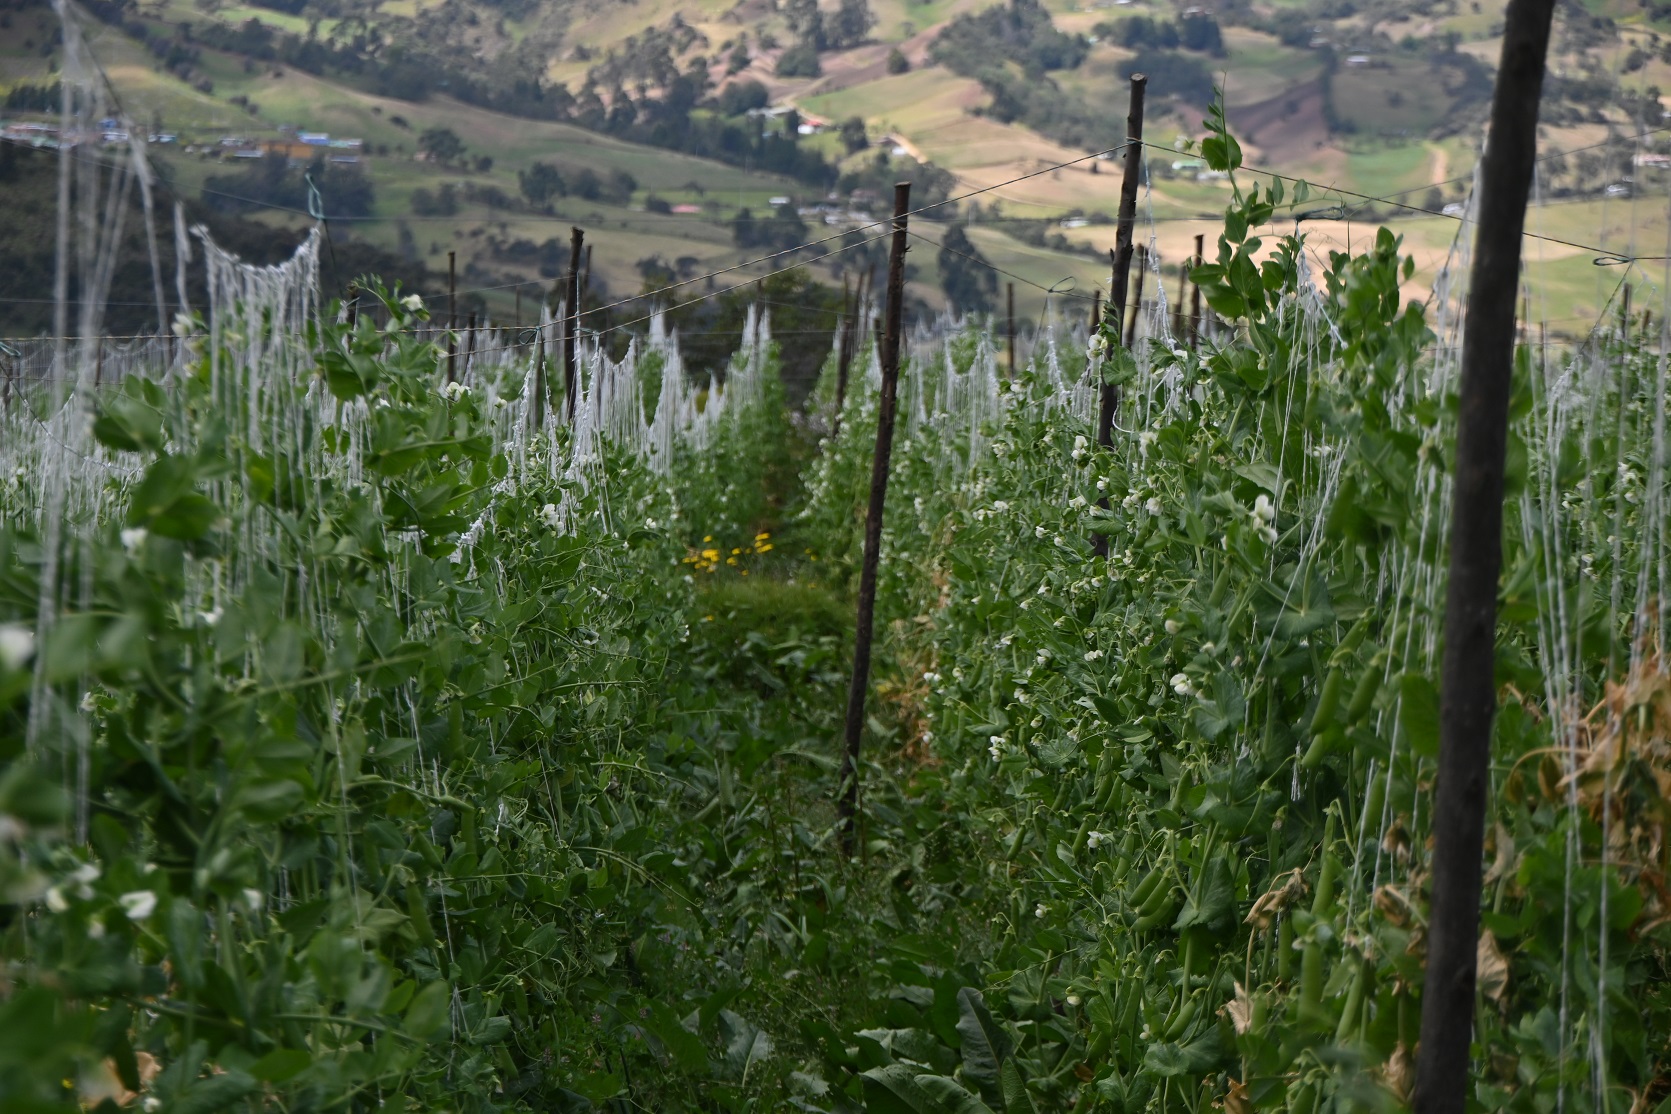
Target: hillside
<point>687,136</point>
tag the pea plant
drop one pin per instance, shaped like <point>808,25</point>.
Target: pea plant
<point>1199,771</point>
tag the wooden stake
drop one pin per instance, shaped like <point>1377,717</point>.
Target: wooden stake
<point>1137,296</point>
<point>571,321</point>
<point>1468,691</point>
<point>452,316</point>
<point>539,379</point>
<point>1624,310</point>
<point>844,354</point>
<point>470,343</point>
<point>1010,328</point>
<point>1110,395</point>
<point>847,805</point>
<point>518,325</point>
<point>1195,295</point>
<point>353,305</point>
<point>1096,308</point>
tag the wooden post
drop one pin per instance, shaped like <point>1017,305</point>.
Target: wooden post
<point>452,316</point>
<point>1137,296</point>
<point>353,305</point>
<point>1179,323</point>
<point>470,343</point>
<point>1122,244</point>
<point>844,354</point>
<point>1624,311</point>
<point>847,805</point>
<point>518,325</point>
<point>571,321</point>
<point>1109,396</point>
<point>539,379</point>
<point>1096,308</point>
<point>1195,295</point>
<point>1010,328</point>
<point>1468,690</point>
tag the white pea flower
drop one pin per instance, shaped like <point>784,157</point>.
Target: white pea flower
<point>1181,685</point>
<point>1044,656</point>
<point>1098,347</point>
<point>1000,506</point>
<point>85,873</point>
<point>1040,909</point>
<point>550,515</point>
<point>1145,439</point>
<point>17,645</point>
<point>1073,1000</point>
<point>1263,510</point>
<point>455,391</point>
<point>1077,502</point>
<point>138,904</point>
<point>1039,531</point>
<point>1094,840</point>
<point>1153,505</point>
<point>254,899</point>
<point>95,929</point>
<point>412,303</point>
<point>1173,626</point>
<point>56,901</point>
<point>1080,446</point>
<point>1209,648</point>
<point>1268,533</point>
<point>181,325</point>
<point>152,1104</point>
<point>1102,485</point>
<point>1093,655</point>
<point>210,618</point>
<point>1129,501</point>
<point>133,538</point>
<point>997,747</point>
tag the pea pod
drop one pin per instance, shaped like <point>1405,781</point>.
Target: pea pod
<point>1302,1099</point>
<point>1354,1005</point>
<point>1328,701</point>
<point>1163,915</point>
<point>419,915</point>
<point>1368,687</point>
<point>1324,896</point>
<point>1311,979</point>
<point>1319,749</point>
<point>1221,584</point>
<point>1145,886</point>
<point>1179,1023</point>
<point>1354,638</point>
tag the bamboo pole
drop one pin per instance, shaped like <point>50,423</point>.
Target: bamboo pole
<point>1468,693</point>
<point>452,316</point>
<point>847,804</point>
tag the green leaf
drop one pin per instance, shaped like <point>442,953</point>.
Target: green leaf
<point>682,1045</point>
<point>428,1011</point>
<point>985,1044</point>
<point>281,1064</point>
<point>1419,714</point>
<point>893,1089</point>
<point>1016,1098</point>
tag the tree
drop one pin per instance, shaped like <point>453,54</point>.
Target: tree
<point>442,145</point>
<point>742,96</point>
<point>800,60</point>
<point>851,24</point>
<point>853,136</point>
<point>897,62</point>
<point>968,279</point>
<point>541,182</point>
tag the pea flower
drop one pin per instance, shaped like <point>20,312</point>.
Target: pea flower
<point>133,538</point>
<point>1153,505</point>
<point>138,904</point>
<point>1098,347</point>
<point>412,303</point>
<point>550,515</point>
<point>1263,510</point>
<point>1181,685</point>
<point>1093,655</point>
<point>1094,840</point>
<point>455,391</point>
<point>17,645</point>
